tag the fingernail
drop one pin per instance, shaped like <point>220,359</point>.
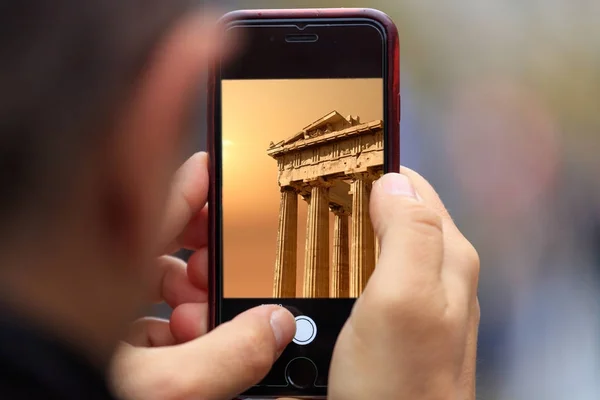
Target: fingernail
<point>278,321</point>
<point>203,155</point>
<point>397,185</point>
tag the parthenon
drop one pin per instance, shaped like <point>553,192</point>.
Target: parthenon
<point>331,164</point>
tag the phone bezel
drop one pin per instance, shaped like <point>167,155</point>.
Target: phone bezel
<point>292,17</point>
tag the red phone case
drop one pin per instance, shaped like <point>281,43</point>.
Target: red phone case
<point>393,100</point>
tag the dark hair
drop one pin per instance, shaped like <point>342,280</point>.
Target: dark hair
<point>65,68</point>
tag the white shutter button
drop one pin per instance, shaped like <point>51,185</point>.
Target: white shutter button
<point>306,330</point>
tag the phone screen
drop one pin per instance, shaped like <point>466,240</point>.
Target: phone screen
<point>302,136</point>
<point>299,158</point>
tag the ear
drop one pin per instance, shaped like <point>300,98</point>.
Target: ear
<point>147,145</point>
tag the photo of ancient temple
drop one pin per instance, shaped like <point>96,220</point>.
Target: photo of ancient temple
<point>331,165</point>
<point>298,159</point>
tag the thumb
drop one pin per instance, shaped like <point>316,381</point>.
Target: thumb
<point>216,366</point>
<point>409,231</point>
<point>234,356</point>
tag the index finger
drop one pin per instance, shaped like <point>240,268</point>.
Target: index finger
<point>187,198</point>
<point>462,266</point>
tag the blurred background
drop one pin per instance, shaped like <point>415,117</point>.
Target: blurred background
<point>501,113</point>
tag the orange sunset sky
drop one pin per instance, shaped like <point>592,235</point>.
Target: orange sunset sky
<point>256,112</point>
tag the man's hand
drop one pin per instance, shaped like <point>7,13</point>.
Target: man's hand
<point>413,332</point>
<point>175,359</point>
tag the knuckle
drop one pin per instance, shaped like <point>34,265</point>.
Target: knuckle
<point>471,260</point>
<point>422,218</point>
<point>472,255</point>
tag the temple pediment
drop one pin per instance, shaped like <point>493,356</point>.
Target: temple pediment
<point>354,149</point>
<point>332,122</point>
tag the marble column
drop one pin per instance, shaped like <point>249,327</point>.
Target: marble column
<point>284,284</point>
<point>316,256</point>
<point>362,248</point>
<point>377,174</point>
<point>341,255</point>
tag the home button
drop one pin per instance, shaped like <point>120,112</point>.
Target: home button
<point>301,373</point>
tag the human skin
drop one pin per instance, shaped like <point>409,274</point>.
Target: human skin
<point>411,334</point>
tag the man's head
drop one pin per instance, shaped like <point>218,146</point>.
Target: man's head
<point>96,97</point>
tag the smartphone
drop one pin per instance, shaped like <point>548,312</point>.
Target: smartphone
<point>305,116</point>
